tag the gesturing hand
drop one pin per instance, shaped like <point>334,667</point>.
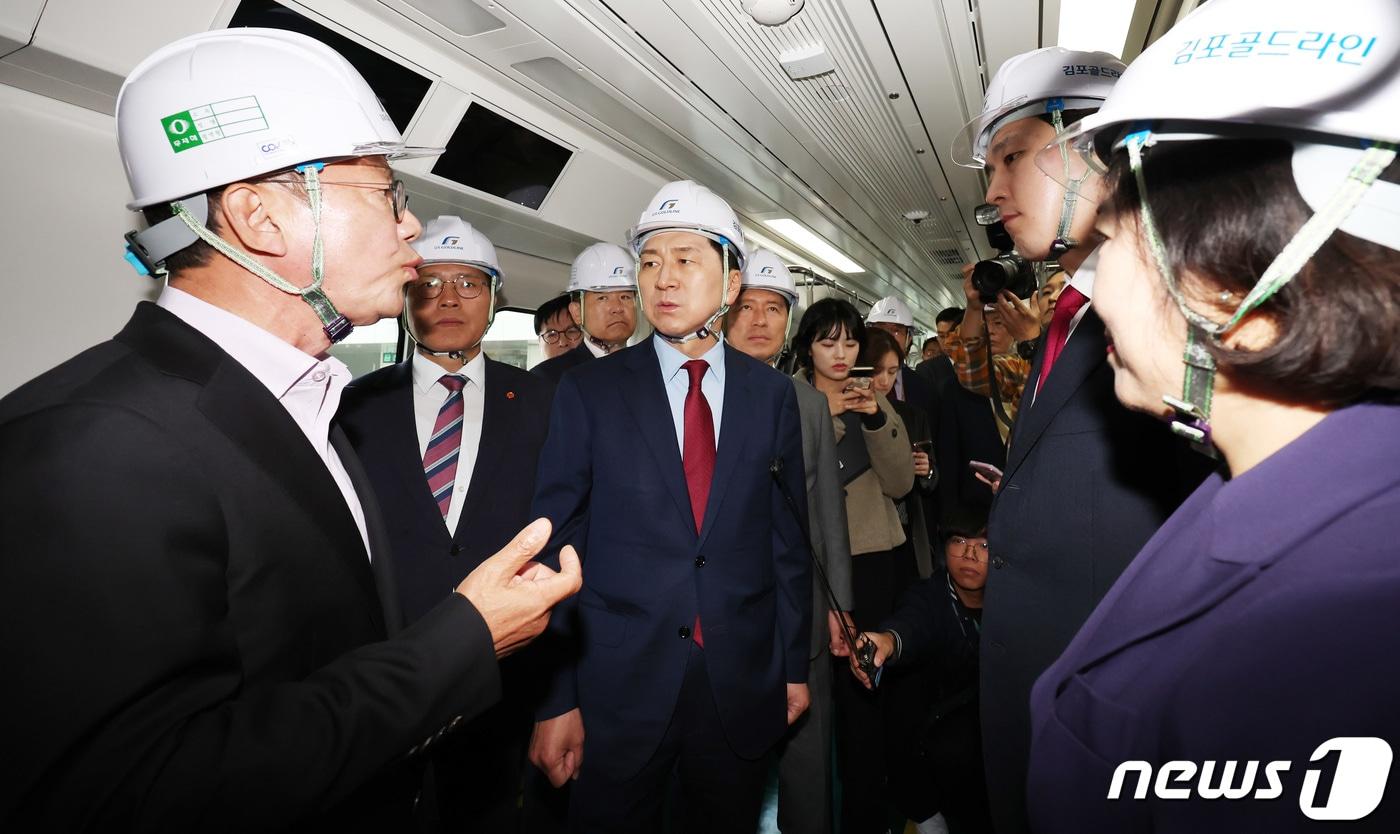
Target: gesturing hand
<point>515,595</point>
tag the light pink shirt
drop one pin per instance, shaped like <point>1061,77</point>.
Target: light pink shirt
<point>307,387</point>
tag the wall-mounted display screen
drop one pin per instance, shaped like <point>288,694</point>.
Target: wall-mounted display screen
<point>399,88</point>
<point>491,153</point>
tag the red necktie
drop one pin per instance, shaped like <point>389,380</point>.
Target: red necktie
<point>1070,302</point>
<point>699,452</point>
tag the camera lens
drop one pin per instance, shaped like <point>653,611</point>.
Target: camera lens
<point>1004,272</point>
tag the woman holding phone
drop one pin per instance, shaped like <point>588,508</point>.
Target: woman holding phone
<point>873,451</point>
<point>1250,284</point>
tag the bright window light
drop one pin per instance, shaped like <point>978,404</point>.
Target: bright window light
<point>1095,24</point>
<point>825,252</point>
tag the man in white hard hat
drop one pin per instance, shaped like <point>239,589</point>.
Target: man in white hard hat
<point>603,303</point>
<point>470,429</point>
<point>216,640</point>
<point>757,324</point>
<point>1086,482</point>
<point>690,646</point>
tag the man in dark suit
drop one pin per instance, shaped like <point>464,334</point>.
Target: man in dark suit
<point>690,642</point>
<point>603,304</point>
<point>1086,481</point>
<point>937,368</point>
<point>196,590</point>
<point>451,439</point>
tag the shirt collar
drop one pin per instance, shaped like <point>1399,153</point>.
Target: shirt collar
<point>1083,277</point>
<point>672,359</point>
<point>426,372</point>
<point>275,363</point>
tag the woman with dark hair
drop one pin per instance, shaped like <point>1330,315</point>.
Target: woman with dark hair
<point>882,353</point>
<point>873,451</point>
<point>1250,284</point>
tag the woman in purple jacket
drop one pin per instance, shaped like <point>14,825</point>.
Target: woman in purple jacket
<point>1242,674</point>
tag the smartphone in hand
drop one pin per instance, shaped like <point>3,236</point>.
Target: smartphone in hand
<point>860,378</point>
<point>986,470</point>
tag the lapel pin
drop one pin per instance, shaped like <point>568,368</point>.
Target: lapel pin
<point>510,395</point>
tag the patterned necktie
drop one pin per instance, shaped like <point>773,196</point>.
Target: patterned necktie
<point>440,459</point>
<point>1070,302</point>
<point>699,453</point>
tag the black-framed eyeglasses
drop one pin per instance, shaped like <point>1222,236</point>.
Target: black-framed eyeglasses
<point>569,334</point>
<point>394,191</point>
<point>466,286</point>
<point>973,551</point>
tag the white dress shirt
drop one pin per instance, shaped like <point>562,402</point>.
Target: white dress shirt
<point>307,387</point>
<point>594,348</point>
<point>428,397</point>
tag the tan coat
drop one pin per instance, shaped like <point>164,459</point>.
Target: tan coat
<point>870,511</point>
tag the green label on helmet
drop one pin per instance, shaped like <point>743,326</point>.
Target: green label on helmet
<point>211,122</point>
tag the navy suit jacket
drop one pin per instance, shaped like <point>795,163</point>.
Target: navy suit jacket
<point>377,414</point>
<point>1258,624</point>
<point>611,479</point>
<point>1086,483</point>
<point>553,369</point>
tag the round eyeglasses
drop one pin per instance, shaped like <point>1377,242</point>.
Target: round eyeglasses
<point>395,191</point>
<point>570,335</point>
<point>973,551</point>
<point>465,286</point>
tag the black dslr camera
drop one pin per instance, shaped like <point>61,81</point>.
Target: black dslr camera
<point>1007,271</point>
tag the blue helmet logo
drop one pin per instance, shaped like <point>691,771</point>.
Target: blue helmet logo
<point>450,240</point>
<point>617,270</point>
<point>669,204</point>
<point>767,270</point>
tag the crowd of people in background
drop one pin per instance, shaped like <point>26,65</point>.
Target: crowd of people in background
<point>633,587</point>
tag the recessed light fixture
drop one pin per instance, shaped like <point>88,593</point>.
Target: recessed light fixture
<point>805,238</point>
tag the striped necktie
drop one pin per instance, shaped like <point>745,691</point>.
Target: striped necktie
<point>440,459</point>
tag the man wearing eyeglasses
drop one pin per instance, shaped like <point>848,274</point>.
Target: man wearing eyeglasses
<point>555,327</point>
<point>932,641</point>
<point>450,439</point>
<point>602,303</point>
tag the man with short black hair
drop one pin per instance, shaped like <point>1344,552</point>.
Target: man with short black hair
<point>555,327</point>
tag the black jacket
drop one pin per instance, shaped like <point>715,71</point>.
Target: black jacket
<point>201,634</point>
<point>553,369</point>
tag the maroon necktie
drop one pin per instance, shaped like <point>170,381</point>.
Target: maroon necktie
<point>440,459</point>
<point>699,453</point>
<point>1070,302</point>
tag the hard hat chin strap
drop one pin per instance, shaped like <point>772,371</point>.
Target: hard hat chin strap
<point>1192,410</point>
<point>459,354</point>
<point>708,328</point>
<point>606,347</point>
<point>335,325</point>
<point>1063,243</point>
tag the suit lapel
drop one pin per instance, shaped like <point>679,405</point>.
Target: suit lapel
<point>497,417</point>
<point>1082,355</point>
<point>734,434</point>
<point>645,395</point>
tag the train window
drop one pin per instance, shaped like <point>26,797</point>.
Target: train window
<point>512,339</point>
<point>491,153</point>
<point>369,348</point>
<point>399,88</point>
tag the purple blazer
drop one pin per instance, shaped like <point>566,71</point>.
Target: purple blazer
<point>1260,622</point>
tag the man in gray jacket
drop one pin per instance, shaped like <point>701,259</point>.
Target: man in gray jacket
<point>757,324</point>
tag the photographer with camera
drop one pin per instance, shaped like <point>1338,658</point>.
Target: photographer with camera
<point>1086,482</point>
<point>994,344</point>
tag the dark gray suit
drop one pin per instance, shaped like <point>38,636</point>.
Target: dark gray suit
<point>804,766</point>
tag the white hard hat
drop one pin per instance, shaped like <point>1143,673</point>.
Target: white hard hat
<point>1032,83</point>
<point>603,266</point>
<point>452,240</point>
<point>890,310</point>
<point>1276,68</point>
<point>766,271</point>
<point>222,106</point>
<point>689,207</point>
